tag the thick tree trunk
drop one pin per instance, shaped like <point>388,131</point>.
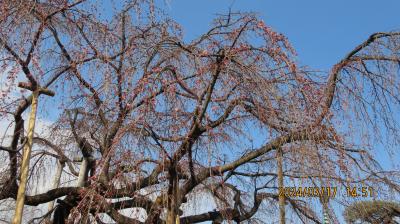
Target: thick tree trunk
<point>25,161</point>
<point>173,199</point>
<point>83,172</point>
<point>56,184</point>
<point>82,182</point>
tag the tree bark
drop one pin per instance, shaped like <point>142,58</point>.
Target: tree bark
<point>173,200</point>
<point>56,182</point>
<point>83,171</point>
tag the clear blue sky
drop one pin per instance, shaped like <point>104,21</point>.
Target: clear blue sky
<point>321,31</point>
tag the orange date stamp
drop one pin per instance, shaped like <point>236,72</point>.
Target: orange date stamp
<point>331,192</point>
<point>308,191</point>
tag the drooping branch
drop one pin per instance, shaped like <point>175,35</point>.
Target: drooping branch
<point>329,92</point>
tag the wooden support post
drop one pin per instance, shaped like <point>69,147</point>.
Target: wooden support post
<point>279,159</point>
<point>324,198</point>
<point>26,155</point>
<point>25,161</point>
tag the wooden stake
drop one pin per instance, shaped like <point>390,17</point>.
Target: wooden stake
<point>26,155</point>
<point>25,161</point>
<point>279,159</point>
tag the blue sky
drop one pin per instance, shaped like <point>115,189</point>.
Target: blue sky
<point>322,32</point>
